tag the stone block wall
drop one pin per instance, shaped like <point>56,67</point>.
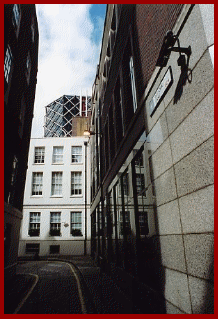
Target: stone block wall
<point>181,136</point>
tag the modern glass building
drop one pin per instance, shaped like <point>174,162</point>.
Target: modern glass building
<point>59,114</point>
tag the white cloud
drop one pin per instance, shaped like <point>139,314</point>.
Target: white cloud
<point>67,56</point>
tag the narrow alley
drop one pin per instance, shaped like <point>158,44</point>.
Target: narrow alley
<point>72,285</point>
<point>109,158</point>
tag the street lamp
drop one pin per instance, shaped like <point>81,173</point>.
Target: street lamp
<point>85,143</point>
<point>88,133</point>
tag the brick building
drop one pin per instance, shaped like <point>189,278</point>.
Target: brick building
<point>151,139</point>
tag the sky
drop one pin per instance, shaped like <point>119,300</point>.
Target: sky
<point>70,38</point>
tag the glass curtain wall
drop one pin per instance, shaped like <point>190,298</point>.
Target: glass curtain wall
<point>129,229</point>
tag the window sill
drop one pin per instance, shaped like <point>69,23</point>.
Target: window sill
<point>77,163</point>
<point>57,163</point>
<point>38,163</point>
<point>34,236</point>
<point>77,196</point>
<point>56,196</point>
<point>79,237</point>
<point>36,196</point>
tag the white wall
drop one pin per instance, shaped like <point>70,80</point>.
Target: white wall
<point>46,203</point>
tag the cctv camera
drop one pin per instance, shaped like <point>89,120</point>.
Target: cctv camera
<point>169,41</point>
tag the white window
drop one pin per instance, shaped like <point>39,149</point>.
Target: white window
<point>76,183</point>
<point>34,226</point>
<point>16,16</point>
<point>37,183</point>
<point>76,224</point>
<point>132,76</point>
<point>56,187</point>
<point>7,63</point>
<point>55,224</point>
<point>58,154</point>
<point>39,156</point>
<point>76,154</point>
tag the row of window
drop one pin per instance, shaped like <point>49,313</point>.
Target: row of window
<point>57,183</point>
<point>16,17</point>
<point>122,107</point>
<point>57,155</point>
<point>55,224</point>
<point>34,248</point>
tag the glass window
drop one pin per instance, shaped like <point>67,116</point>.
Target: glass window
<point>32,248</point>
<point>76,154</point>
<point>39,155</point>
<point>143,223</point>
<point>55,224</point>
<point>76,224</point>
<point>76,183</point>
<point>140,183</point>
<point>139,158</point>
<point>16,16</point>
<point>56,186</point>
<point>58,154</point>
<point>54,249</point>
<point>34,225</point>
<point>37,183</point>
<point>132,76</point>
<point>127,223</point>
<point>28,67</point>
<point>33,30</point>
<point>7,63</point>
<point>14,170</point>
<point>126,184</point>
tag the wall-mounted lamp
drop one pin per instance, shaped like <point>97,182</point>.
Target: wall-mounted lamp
<point>88,133</point>
<point>168,47</point>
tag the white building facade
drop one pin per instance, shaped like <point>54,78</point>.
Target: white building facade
<point>56,211</point>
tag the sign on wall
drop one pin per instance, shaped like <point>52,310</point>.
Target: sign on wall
<point>161,91</point>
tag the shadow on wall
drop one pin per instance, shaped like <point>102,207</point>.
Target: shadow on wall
<point>151,269</point>
<point>57,246</point>
<point>186,75</point>
<point>208,303</point>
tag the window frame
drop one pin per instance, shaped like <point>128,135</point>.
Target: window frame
<point>41,155</point>
<point>76,154</point>
<point>133,83</point>
<point>55,225</point>
<point>36,222</point>
<point>57,184</point>
<point>33,29</point>
<point>28,67</point>
<point>8,63</point>
<point>40,185</point>
<point>51,247</point>
<point>55,156</point>
<point>80,183</point>
<point>74,222</point>
<point>16,17</point>
<point>35,248</point>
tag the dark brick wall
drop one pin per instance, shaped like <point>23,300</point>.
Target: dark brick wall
<point>152,21</point>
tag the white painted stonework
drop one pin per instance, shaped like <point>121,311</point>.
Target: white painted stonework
<point>65,203</point>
